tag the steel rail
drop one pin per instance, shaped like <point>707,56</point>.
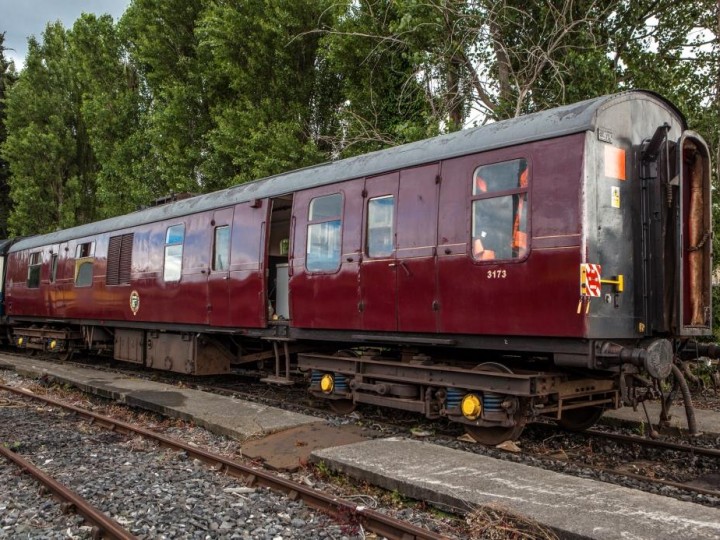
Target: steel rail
<point>633,439</point>
<point>342,510</point>
<point>104,524</point>
<point>710,452</point>
<point>660,481</point>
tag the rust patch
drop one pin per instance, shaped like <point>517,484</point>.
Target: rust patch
<point>290,450</point>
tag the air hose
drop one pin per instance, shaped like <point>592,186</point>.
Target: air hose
<point>687,399</point>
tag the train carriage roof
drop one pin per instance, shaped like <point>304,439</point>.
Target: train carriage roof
<point>566,120</point>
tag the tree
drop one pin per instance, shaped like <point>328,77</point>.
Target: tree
<point>162,46</point>
<point>46,144</point>
<point>387,95</point>
<point>7,78</point>
<point>413,68</point>
<point>271,97</point>
<point>112,109</point>
<point>75,141</point>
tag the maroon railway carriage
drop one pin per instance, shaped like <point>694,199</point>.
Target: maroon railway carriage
<point>536,266</point>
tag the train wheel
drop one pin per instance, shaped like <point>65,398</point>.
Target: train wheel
<point>492,436</point>
<point>341,406</point>
<point>580,419</point>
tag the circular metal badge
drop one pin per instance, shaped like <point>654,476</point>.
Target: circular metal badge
<point>134,302</point>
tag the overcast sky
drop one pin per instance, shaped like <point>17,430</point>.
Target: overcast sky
<point>20,19</point>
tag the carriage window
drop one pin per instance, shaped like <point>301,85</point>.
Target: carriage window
<point>221,248</point>
<point>84,250</point>
<point>323,233</point>
<point>53,267</point>
<point>329,206</point>
<point>499,210</point>
<point>34,265</point>
<point>380,226</point>
<point>83,272</point>
<point>84,260</point>
<point>173,252</point>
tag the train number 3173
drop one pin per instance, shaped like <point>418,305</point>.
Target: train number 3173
<point>496,274</point>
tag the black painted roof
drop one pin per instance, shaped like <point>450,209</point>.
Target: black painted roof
<point>548,124</point>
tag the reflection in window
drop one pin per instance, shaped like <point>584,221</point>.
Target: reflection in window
<point>323,246</point>
<point>34,265</point>
<point>499,222</point>
<point>380,226</point>
<point>173,252</point>
<point>324,234</point>
<point>504,176</point>
<point>175,234</point>
<point>329,206</point>
<point>221,248</point>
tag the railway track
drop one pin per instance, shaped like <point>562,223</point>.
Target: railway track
<point>103,526</point>
<point>689,449</point>
<point>626,446</point>
<point>443,434</point>
<point>369,519</point>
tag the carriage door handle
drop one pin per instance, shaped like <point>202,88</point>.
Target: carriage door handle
<point>401,264</point>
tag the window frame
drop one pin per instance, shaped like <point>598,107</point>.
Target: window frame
<point>516,191</point>
<point>53,266</point>
<point>34,270</point>
<point>79,263</point>
<point>320,221</point>
<point>173,244</point>
<point>393,226</point>
<point>85,250</point>
<point>227,246</point>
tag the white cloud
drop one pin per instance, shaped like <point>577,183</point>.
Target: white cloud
<point>22,19</point>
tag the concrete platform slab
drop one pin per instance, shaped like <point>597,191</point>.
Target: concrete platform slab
<point>228,416</point>
<point>708,422</point>
<point>290,449</point>
<point>575,507</point>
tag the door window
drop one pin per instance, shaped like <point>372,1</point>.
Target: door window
<point>324,234</point>
<point>380,226</point>
<point>173,252</point>
<point>221,248</point>
<point>499,210</point>
<point>34,265</point>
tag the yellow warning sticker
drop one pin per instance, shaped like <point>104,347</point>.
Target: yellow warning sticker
<point>615,196</point>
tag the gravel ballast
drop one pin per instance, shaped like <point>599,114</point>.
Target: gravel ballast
<point>153,492</point>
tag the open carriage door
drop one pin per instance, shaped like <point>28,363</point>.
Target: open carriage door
<point>694,284</point>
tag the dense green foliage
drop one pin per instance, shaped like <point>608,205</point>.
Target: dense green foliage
<point>7,78</point>
<point>196,95</point>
